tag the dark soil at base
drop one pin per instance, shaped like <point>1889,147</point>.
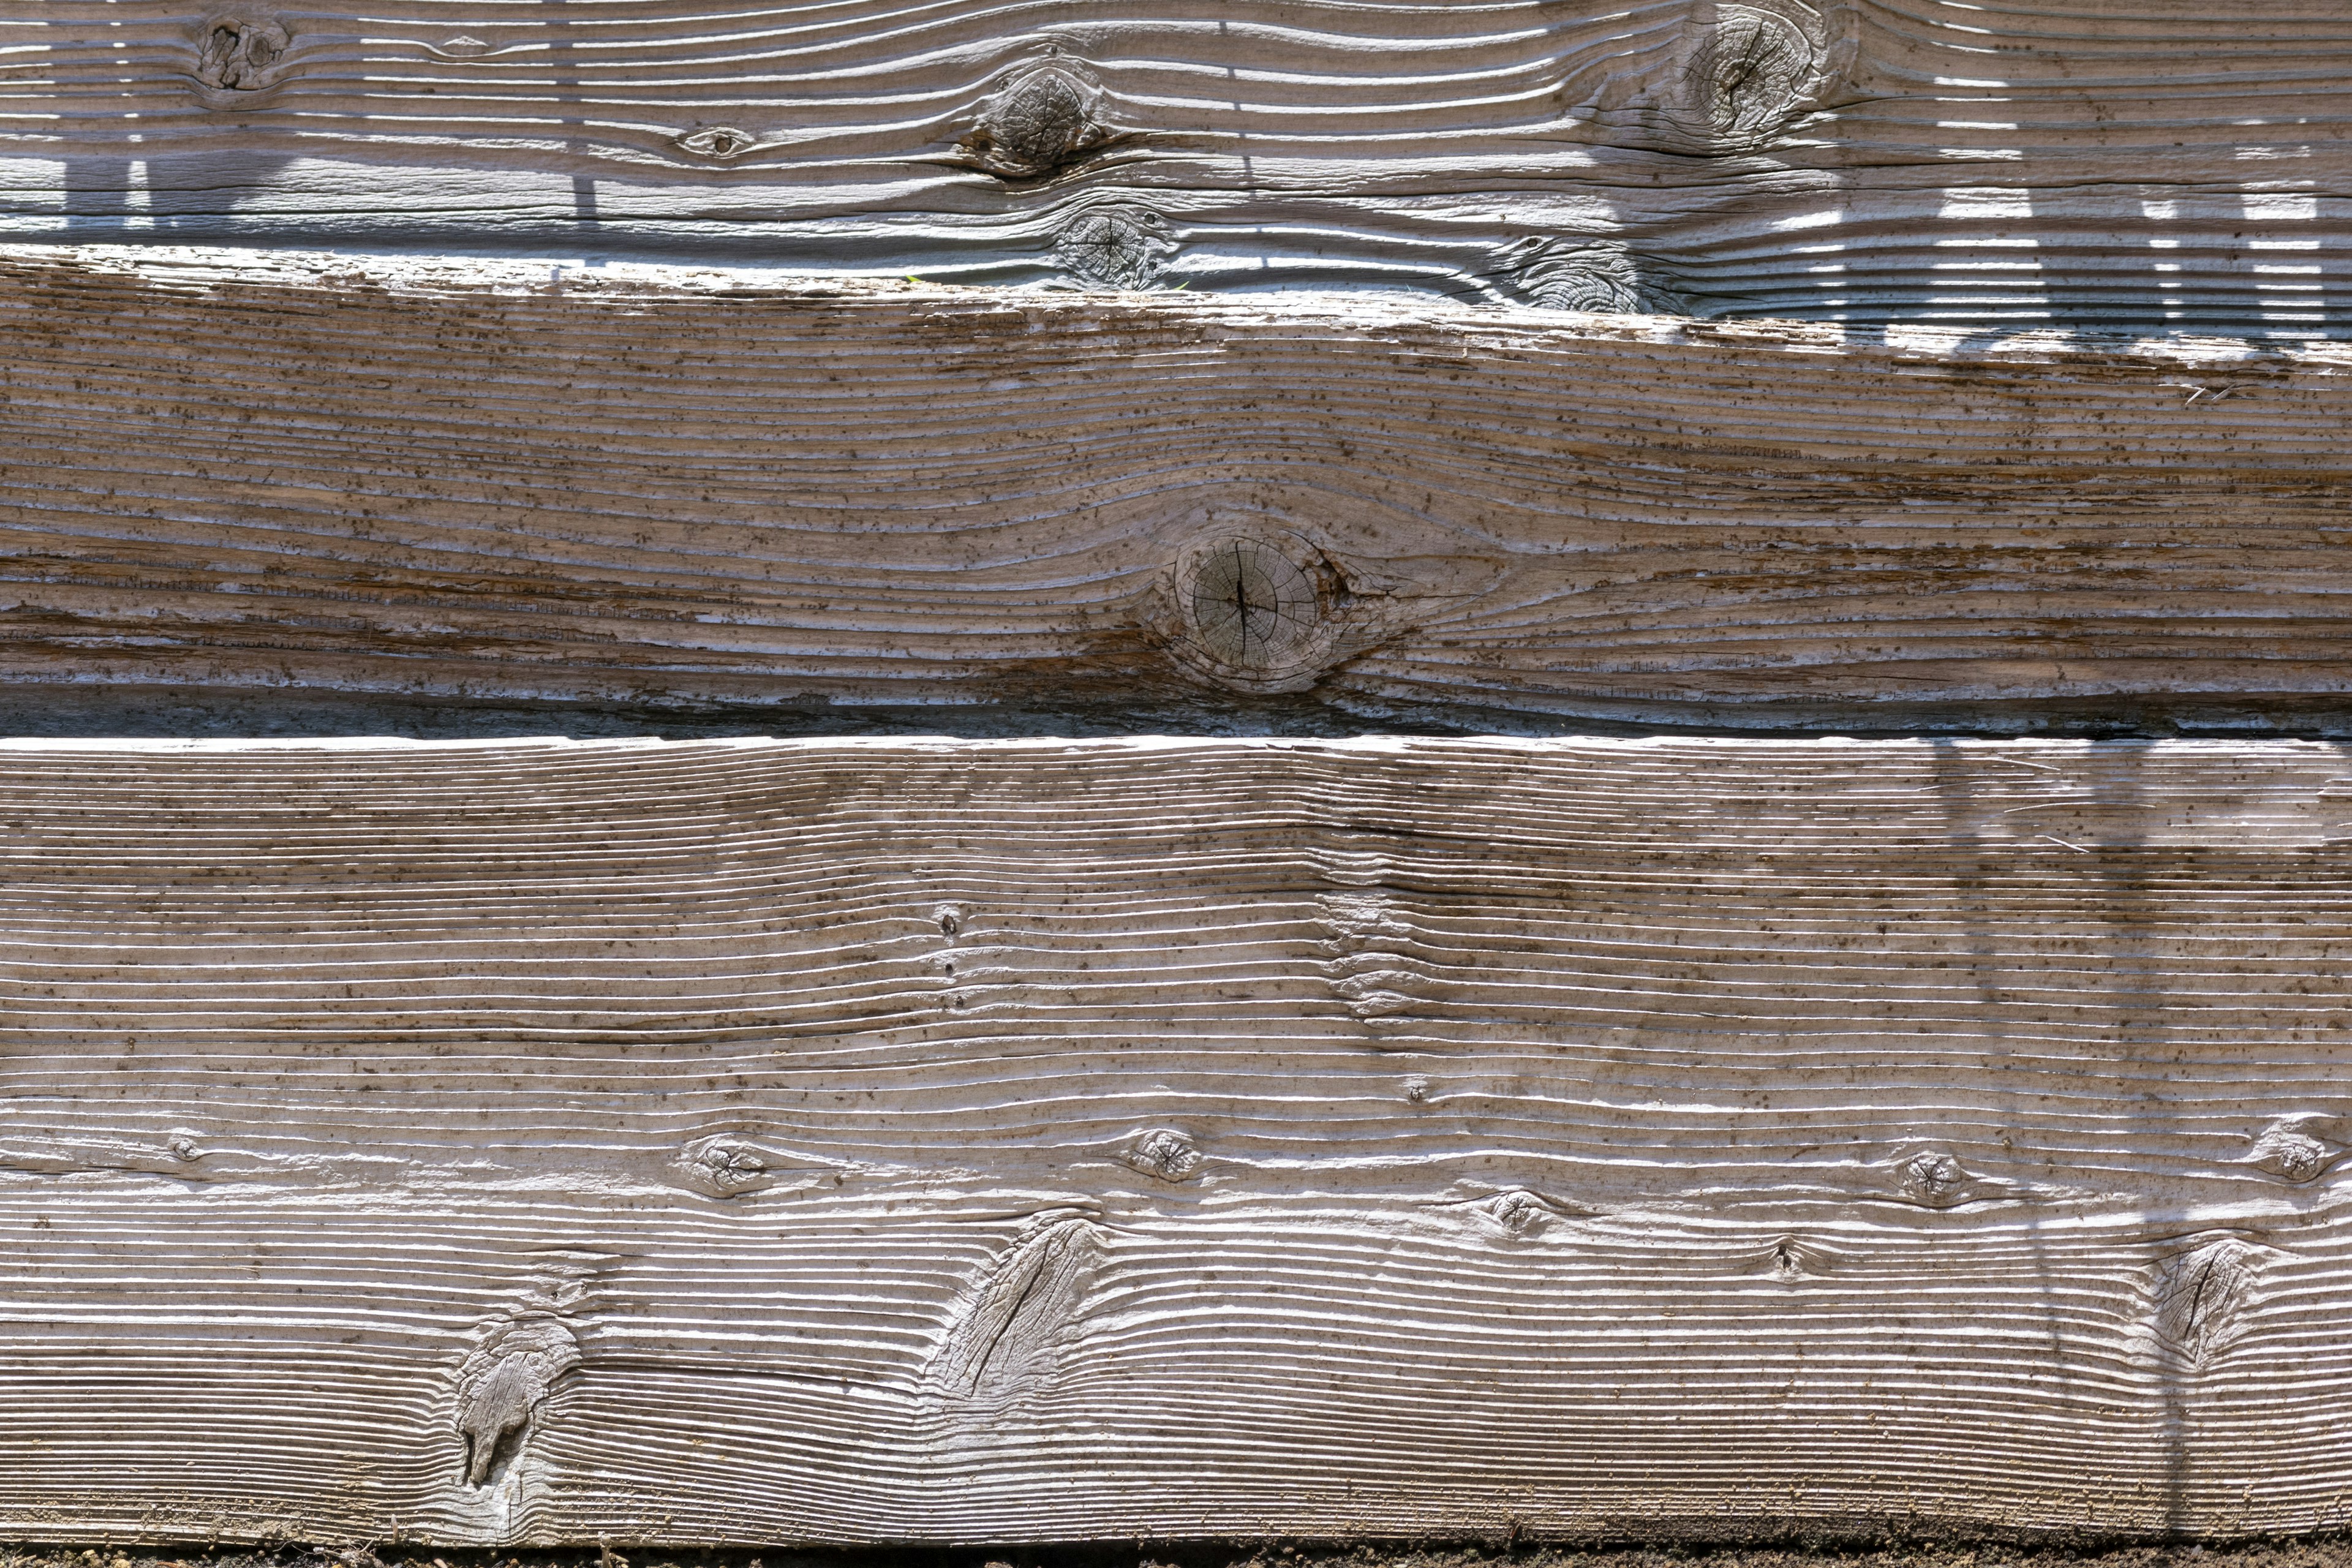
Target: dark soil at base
<point>2316,1552</point>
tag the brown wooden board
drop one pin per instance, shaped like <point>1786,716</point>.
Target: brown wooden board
<point>682,486</point>
<point>766,1141</point>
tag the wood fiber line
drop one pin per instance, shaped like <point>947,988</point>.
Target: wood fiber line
<point>662,486</point>
<point>931,1141</point>
<point>2141,165</point>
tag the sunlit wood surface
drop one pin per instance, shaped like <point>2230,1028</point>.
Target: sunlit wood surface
<point>1024,1142</point>
<point>2113,165</point>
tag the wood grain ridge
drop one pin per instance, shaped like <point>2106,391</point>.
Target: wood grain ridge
<point>2136,164</point>
<point>684,487</point>
<point>826,1141</point>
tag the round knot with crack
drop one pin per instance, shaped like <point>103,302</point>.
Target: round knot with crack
<point>1163,1152</point>
<point>1749,69</point>
<point>1935,1178</point>
<point>1249,606</point>
<point>1123,249</point>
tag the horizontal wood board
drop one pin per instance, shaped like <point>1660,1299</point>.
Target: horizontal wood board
<point>2141,165</point>
<point>671,486</point>
<point>940,1140</point>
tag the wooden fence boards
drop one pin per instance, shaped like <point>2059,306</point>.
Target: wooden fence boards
<point>956,1141</point>
<point>513,482</point>
<point>935,1142</point>
<point>2136,164</point>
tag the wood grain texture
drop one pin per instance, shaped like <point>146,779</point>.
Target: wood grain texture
<point>965,1142</point>
<point>699,487</point>
<point>2141,165</point>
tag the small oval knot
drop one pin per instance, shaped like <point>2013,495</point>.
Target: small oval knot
<point>1163,1152</point>
<point>722,142</point>
<point>1934,1178</point>
<point>241,53</point>
<point>1040,120</point>
<point>1515,1212</point>
<point>726,1166</point>
<point>2292,1153</point>
<point>1518,1213</point>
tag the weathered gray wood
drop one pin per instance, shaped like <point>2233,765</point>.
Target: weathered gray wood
<point>759,1140</point>
<point>2144,164</point>
<point>506,480</point>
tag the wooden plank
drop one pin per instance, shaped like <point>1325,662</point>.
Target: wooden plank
<point>2142,164</point>
<point>710,487</point>
<point>970,1141</point>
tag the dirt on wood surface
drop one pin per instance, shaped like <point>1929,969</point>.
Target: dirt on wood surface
<point>2316,1551</point>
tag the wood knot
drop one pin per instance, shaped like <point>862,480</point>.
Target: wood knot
<point>726,1165</point>
<point>1039,120</point>
<point>2290,1151</point>
<point>503,1383</point>
<point>1934,1178</point>
<point>240,54</point>
<point>2201,1295</point>
<point>1118,247</point>
<point>1256,610</point>
<point>1750,69</point>
<point>723,1166</point>
<point>719,142</point>
<point>1599,276</point>
<point>1515,1212</point>
<point>1164,1153</point>
<point>1518,1212</point>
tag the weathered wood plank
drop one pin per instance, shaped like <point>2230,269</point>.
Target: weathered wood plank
<point>2135,164</point>
<point>759,1140</point>
<point>712,487</point>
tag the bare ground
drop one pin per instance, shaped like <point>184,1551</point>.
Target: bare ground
<point>2317,1551</point>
